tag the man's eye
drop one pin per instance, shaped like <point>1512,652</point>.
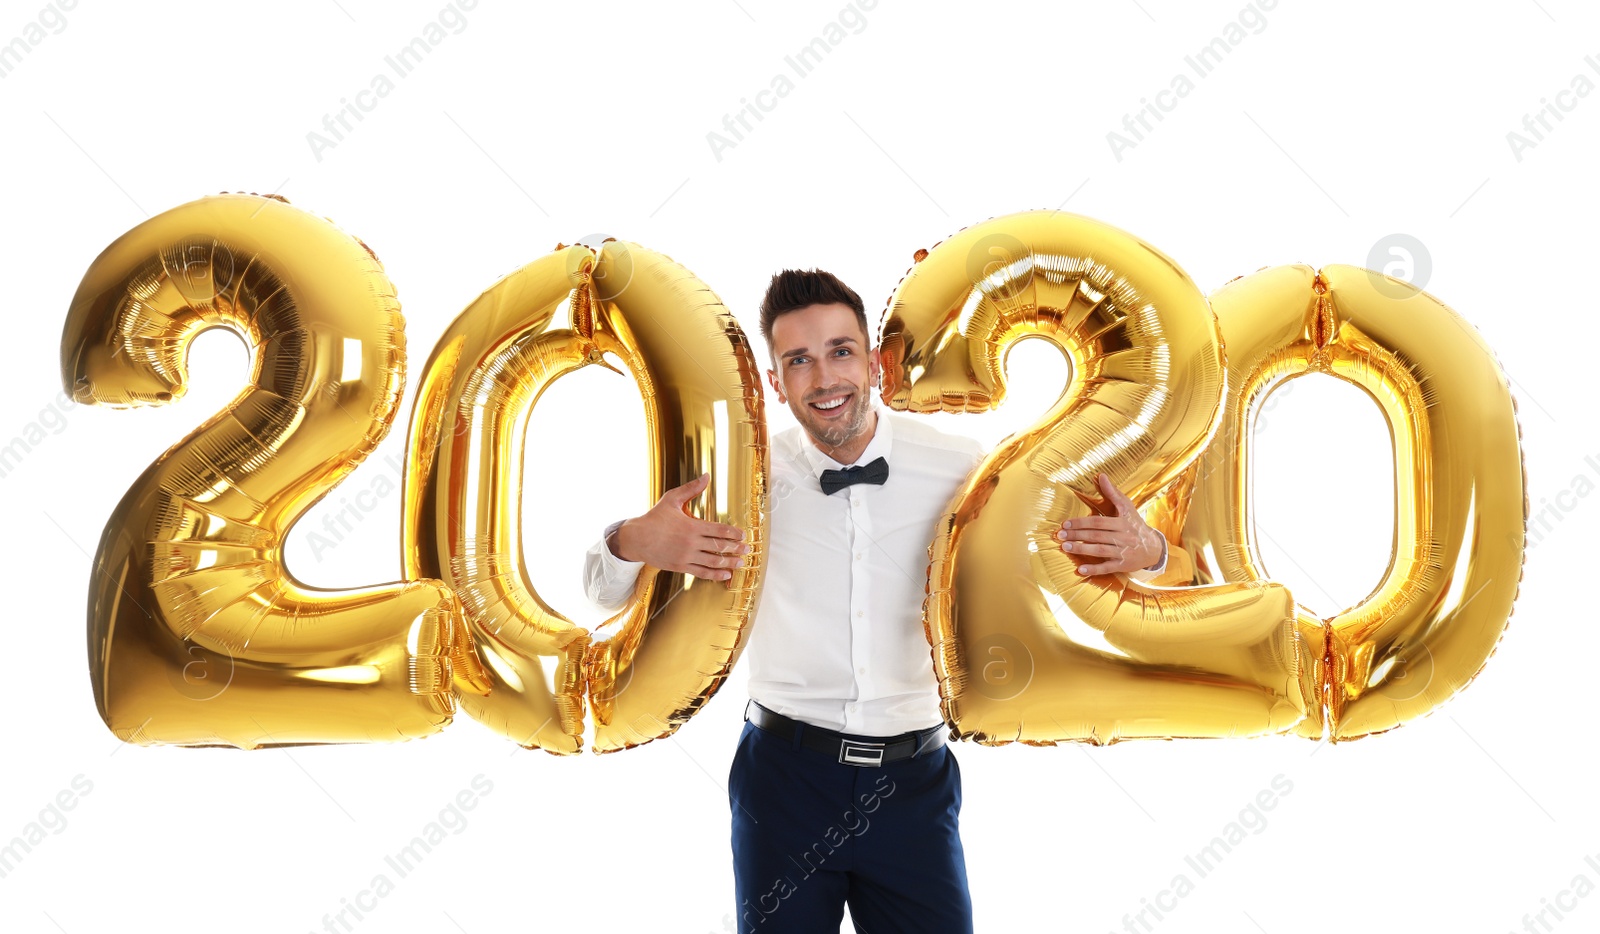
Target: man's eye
<point>843,350</point>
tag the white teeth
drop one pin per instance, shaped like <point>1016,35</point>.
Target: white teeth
<point>828,405</point>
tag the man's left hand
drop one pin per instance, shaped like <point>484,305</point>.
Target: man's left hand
<point>1119,535</point>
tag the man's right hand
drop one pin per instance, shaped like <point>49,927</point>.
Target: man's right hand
<point>667,537</point>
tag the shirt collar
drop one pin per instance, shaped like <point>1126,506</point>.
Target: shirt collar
<point>876,448</point>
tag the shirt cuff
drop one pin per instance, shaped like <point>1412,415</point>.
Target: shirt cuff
<point>607,579</point>
<point>1144,574</point>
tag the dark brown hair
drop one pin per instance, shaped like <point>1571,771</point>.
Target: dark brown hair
<point>794,289</point>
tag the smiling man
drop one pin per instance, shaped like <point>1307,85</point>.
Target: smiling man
<point>843,789</point>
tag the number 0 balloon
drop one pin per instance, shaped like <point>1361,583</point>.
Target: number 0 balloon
<point>1461,503</point>
<point>679,635</point>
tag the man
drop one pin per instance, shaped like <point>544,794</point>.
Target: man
<point>842,787</point>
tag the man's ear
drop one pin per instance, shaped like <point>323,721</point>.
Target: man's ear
<point>777,387</point>
<point>875,364</point>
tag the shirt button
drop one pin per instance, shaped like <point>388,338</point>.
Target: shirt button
<point>860,613</point>
<point>861,671</point>
<point>858,556</point>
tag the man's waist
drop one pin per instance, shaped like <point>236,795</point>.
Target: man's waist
<point>876,717</point>
<point>848,748</point>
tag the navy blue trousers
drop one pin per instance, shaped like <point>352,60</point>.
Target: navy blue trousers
<point>811,834</point>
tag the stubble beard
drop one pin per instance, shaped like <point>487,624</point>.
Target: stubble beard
<point>834,434</point>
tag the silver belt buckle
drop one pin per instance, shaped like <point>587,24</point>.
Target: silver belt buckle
<point>852,752</point>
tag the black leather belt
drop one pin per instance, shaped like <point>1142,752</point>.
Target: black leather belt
<point>847,748</point>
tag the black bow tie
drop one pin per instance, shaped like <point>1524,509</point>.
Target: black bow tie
<point>875,472</point>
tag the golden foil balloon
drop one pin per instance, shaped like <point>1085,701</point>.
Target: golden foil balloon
<point>1461,501</point>
<point>679,635</point>
<point>198,635</point>
<point>1025,649</point>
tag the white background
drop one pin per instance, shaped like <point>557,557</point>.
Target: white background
<point>1325,131</point>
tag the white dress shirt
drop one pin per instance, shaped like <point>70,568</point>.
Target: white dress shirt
<point>837,640</point>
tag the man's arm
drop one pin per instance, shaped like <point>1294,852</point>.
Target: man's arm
<point>1178,571</point>
<point>666,537</point>
<point>1154,570</point>
<point>1124,543</point>
<point>607,579</point>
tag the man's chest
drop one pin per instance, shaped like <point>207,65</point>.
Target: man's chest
<point>879,533</point>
